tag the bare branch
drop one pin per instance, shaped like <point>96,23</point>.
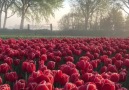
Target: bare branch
<point>12,14</point>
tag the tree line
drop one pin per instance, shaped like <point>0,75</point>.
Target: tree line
<point>96,15</point>
<point>35,10</point>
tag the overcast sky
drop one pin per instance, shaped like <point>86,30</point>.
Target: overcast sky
<point>14,21</point>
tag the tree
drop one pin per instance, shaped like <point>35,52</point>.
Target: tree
<point>2,2</point>
<point>64,23</point>
<point>106,23</point>
<point>127,23</point>
<point>101,12</point>
<point>71,21</point>
<point>88,8</point>
<point>122,4</point>
<point>36,9</point>
<point>7,5</point>
<point>117,19</point>
<point>114,20</point>
<point>78,15</point>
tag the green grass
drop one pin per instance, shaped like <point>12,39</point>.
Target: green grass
<point>30,36</point>
<point>5,34</point>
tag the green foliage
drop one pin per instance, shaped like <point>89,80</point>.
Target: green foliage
<point>36,10</point>
<point>73,21</point>
<point>43,9</point>
<point>84,14</point>
<point>106,17</point>
<point>114,20</point>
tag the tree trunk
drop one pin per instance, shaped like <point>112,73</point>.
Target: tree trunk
<point>87,19</point>
<point>22,17</point>
<point>0,19</point>
<point>22,22</point>
<point>86,22</point>
<point>96,21</point>
<point>5,20</point>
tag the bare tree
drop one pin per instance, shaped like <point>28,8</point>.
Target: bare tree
<point>122,4</point>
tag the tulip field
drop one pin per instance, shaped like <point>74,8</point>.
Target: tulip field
<point>64,64</point>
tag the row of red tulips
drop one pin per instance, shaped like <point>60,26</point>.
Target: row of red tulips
<point>64,64</point>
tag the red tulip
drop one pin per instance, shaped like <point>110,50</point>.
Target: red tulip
<point>50,55</point>
<point>107,61</point>
<point>90,55</point>
<point>94,63</point>
<point>69,52</point>
<point>64,79</point>
<point>122,76</point>
<point>119,64</point>
<point>69,58</point>
<point>79,82</point>
<point>69,86</point>
<point>108,85</point>
<point>91,86</point>
<point>42,68</point>
<point>51,65</point>
<point>86,77</point>
<point>77,52</point>
<point>38,77</point>
<point>43,50</point>
<point>103,69</point>
<point>105,75</point>
<point>96,55</point>
<point>118,56</point>
<point>57,53</point>
<point>21,84</point>
<point>57,75</point>
<point>31,55</point>
<point>74,77</point>
<point>66,69</point>
<point>56,59</point>
<point>82,65</point>
<point>4,68</point>
<point>43,57</point>
<point>84,58</point>
<point>12,76</point>
<point>114,77</point>
<point>34,75</point>
<point>72,65</point>
<point>28,67</point>
<point>103,57</point>
<point>126,63</point>
<point>16,62</point>
<point>44,86</point>
<point>37,53</point>
<point>31,86</point>
<point>5,87</point>
<point>1,80</point>
<point>98,80</point>
<point>111,68</point>
<point>8,60</point>
<point>41,78</point>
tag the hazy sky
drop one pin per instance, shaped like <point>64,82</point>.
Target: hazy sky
<point>14,21</point>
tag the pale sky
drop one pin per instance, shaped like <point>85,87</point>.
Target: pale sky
<point>14,21</point>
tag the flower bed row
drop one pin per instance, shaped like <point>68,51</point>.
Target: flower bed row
<point>64,64</point>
